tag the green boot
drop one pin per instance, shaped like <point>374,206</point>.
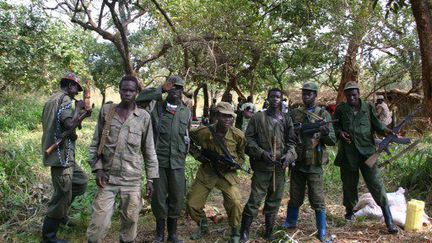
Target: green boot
<point>201,231</point>
<point>235,235</point>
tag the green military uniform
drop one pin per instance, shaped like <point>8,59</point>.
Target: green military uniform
<point>127,145</point>
<point>68,179</point>
<point>259,135</point>
<point>171,140</point>
<point>351,157</point>
<point>312,155</point>
<point>206,178</point>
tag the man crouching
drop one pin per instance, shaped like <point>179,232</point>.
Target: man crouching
<point>213,173</point>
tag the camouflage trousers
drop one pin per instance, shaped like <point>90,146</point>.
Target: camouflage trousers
<point>315,185</point>
<point>68,183</point>
<point>103,209</point>
<point>201,189</point>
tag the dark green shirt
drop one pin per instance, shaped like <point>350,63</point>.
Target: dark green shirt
<point>361,128</point>
<point>310,159</point>
<point>57,101</point>
<point>170,129</point>
<point>259,134</point>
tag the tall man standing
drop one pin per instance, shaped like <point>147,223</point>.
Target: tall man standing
<point>270,143</point>
<point>312,155</point>
<point>123,137</point>
<point>68,179</point>
<point>356,127</point>
<point>216,174</point>
<point>171,120</point>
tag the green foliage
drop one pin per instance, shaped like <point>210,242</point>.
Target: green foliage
<point>19,112</point>
<point>105,66</point>
<point>19,154</point>
<point>35,50</point>
<point>413,171</point>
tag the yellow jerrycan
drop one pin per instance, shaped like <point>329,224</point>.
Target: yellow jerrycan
<point>415,209</point>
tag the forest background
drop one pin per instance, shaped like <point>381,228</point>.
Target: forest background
<point>237,46</point>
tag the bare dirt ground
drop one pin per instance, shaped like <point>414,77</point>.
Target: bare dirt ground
<point>362,230</point>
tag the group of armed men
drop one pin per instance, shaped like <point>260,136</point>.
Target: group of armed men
<point>151,132</point>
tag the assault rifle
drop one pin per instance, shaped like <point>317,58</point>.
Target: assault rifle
<point>218,162</point>
<point>310,129</point>
<point>392,138</point>
<point>87,111</point>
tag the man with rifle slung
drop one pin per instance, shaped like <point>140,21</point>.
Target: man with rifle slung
<point>59,122</point>
<point>222,153</point>
<point>121,150</point>
<point>356,127</point>
<point>270,143</point>
<point>312,155</point>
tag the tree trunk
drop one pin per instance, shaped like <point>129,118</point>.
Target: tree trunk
<point>103,93</point>
<point>349,69</point>
<point>195,99</point>
<point>252,89</point>
<point>359,29</point>
<point>206,100</point>
<point>422,14</point>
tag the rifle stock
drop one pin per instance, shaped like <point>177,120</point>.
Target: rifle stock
<point>372,159</point>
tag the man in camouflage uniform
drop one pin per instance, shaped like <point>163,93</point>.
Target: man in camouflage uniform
<point>268,131</point>
<point>171,121</point>
<point>222,177</point>
<point>356,127</point>
<point>68,179</point>
<point>119,169</point>
<point>312,155</point>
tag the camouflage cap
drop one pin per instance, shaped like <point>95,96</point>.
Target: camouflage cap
<point>71,77</point>
<point>225,108</point>
<point>176,80</point>
<point>380,97</point>
<point>351,85</point>
<point>310,86</point>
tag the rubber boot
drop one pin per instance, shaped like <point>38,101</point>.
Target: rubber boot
<point>49,231</point>
<point>235,235</point>
<point>172,231</point>
<point>201,231</point>
<point>291,218</point>
<point>391,227</point>
<point>269,224</point>
<point>160,231</point>
<point>321,225</point>
<point>245,226</point>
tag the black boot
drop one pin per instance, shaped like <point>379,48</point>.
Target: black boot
<point>160,231</point>
<point>244,229</point>
<point>391,227</point>
<point>349,214</point>
<point>49,231</point>
<point>172,229</point>
<point>269,224</point>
